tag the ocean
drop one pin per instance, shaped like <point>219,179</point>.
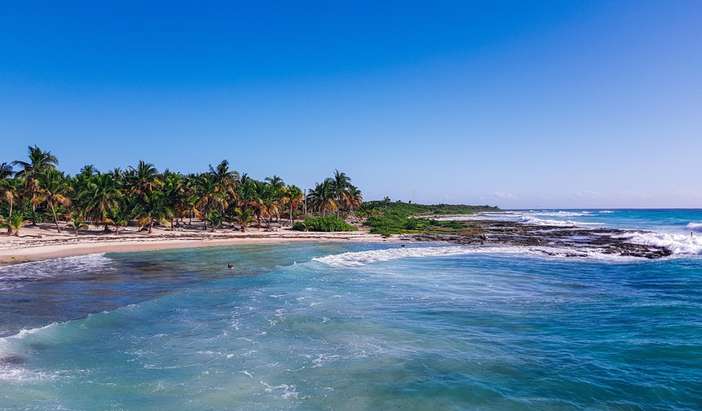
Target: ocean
<point>352,326</point>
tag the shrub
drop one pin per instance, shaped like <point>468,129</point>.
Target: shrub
<point>323,224</point>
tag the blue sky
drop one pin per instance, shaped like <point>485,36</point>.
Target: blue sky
<point>515,103</point>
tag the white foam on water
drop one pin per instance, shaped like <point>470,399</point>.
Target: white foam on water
<point>286,391</point>
<point>561,213</point>
<point>694,226</point>
<point>528,217</point>
<point>361,258</point>
<point>546,222</point>
<point>11,346</point>
<point>12,340</point>
<point>678,244</point>
<point>13,276</point>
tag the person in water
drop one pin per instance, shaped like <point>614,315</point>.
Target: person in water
<point>230,266</point>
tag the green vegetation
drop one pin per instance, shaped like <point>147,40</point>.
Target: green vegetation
<point>386,217</point>
<point>36,191</point>
<point>397,223</point>
<point>324,224</point>
<point>376,208</point>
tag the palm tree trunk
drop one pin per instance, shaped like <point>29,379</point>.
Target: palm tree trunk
<point>53,211</point>
<point>9,227</point>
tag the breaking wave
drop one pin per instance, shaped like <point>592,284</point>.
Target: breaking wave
<point>695,227</point>
<point>361,258</point>
<point>12,355</point>
<point>678,244</point>
<point>560,213</point>
<point>530,217</point>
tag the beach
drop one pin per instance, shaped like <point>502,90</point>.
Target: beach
<point>44,242</point>
<point>348,321</point>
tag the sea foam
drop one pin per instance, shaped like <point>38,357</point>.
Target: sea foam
<point>13,346</point>
<point>678,244</point>
<point>361,258</point>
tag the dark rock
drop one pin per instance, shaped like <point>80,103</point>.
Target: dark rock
<point>578,241</point>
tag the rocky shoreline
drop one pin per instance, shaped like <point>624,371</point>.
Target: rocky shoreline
<point>579,241</point>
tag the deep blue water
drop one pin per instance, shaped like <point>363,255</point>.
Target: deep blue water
<point>358,327</point>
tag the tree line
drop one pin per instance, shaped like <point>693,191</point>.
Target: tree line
<point>35,191</point>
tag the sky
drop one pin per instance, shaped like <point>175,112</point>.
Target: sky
<point>521,104</point>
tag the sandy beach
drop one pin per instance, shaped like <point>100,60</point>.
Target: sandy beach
<point>43,241</point>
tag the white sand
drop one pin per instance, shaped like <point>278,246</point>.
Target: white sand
<point>42,242</point>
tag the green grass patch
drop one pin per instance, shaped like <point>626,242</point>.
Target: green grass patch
<point>328,223</point>
<point>376,208</point>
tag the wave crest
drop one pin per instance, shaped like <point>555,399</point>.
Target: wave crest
<point>361,258</point>
<point>678,244</point>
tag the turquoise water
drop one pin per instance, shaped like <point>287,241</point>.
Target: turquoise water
<point>354,327</point>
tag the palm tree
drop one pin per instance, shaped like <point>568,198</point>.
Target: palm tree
<point>39,162</point>
<point>210,197</point>
<point>77,221</point>
<point>346,194</point>
<point>354,198</point>
<point>323,197</point>
<point>151,209</point>
<point>249,197</point>
<point>278,193</point>
<point>39,189</point>
<point>244,216</point>
<point>269,202</point>
<point>119,216</point>
<point>101,195</point>
<point>276,182</point>
<point>225,180</point>
<point>174,193</point>
<point>143,178</point>
<point>341,181</point>
<point>15,223</point>
<point>295,198</point>
<point>10,189</point>
<point>53,189</point>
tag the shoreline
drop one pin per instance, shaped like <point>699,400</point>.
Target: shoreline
<point>43,242</point>
<point>30,249</point>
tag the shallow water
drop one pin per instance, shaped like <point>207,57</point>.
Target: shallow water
<point>351,327</point>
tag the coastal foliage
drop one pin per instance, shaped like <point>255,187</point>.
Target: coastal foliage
<point>387,217</point>
<point>35,190</point>
<point>323,224</point>
<point>377,208</point>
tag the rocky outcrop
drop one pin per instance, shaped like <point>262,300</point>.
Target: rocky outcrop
<point>579,242</point>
